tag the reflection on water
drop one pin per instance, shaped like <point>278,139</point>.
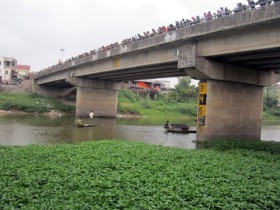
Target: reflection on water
<point>22,130</point>
<point>270,133</point>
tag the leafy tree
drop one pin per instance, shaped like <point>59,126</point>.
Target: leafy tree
<point>183,91</point>
<point>270,98</point>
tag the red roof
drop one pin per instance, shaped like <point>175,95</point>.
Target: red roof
<point>143,85</point>
<point>24,67</point>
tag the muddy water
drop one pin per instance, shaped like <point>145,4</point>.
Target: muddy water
<point>23,130</point>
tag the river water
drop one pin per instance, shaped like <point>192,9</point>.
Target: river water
<point>27,129</point>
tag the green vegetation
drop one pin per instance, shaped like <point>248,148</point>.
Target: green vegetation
<point>182,101</point>
<point>129,102</point>
<point>270,102</point>
<point>258,146</point>
<point>31,103</point>
<point>184,91</point>
<point>129,175</point>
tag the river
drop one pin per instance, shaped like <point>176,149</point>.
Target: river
<point>28,129</point>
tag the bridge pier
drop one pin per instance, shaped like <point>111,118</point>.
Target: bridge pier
<point>99,96</point>
<point>230,111</point>
<point>230,100</point>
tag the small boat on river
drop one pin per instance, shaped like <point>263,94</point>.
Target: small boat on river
<point>85,125</point>
<point>179,128</point>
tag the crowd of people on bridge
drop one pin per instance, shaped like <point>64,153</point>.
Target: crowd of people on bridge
<point>207,16</point>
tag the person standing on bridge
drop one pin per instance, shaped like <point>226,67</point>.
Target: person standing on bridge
<point>252,4</point>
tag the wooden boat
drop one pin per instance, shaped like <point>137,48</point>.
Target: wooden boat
<point>85,125</point>
<point>179,128</point>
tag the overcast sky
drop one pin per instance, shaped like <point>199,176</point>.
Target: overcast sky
<point>34,31</point>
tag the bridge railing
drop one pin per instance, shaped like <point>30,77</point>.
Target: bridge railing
<point>102,53</point>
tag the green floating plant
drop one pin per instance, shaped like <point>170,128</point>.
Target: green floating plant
<point>131,175</point>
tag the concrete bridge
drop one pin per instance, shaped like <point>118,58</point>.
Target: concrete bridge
<point>234,56</point>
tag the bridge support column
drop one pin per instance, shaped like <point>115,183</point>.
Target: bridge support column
<point>230,100</point>
<point>99,96</point>
<point>229,110</point>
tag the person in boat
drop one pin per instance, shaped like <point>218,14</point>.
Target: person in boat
<point>185,128</point>
<point>166,125</point>
<point>80,122</point>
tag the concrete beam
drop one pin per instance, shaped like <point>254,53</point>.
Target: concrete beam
<point>240,41</point>
<point>49,91</point>
<point>96,84</point>
<point>226,72</point>
<point>187,55</point>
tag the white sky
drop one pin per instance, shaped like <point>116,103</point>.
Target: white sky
<point>34,31</point>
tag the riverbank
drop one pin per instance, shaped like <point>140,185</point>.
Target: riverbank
<point>16,112</point>
<point>131,175</point>
<point>32,103</point>
<point>53,113</point>
<point>23,103</point>
<point>129,106</point>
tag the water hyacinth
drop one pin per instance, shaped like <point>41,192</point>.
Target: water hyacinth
<point>131,175</point>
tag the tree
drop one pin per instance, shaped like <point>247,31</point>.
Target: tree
<point>183,91</point>
<point>271,96</point>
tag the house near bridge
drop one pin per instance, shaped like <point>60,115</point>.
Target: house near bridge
<point>149,87</point>
<point>7,68</point>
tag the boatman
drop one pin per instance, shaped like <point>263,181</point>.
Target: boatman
<point>80,122</point>
<point>166,125</point>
